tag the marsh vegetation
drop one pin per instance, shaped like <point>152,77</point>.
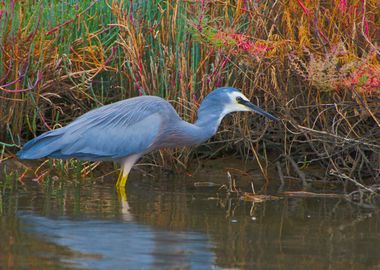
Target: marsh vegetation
<point>315,64</point>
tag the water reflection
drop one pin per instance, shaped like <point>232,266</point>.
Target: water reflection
<point>166,223</point>
<point>115,245</point>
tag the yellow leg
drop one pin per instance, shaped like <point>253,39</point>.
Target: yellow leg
<point>120,188</point>
<point>126,165</point>
<point>124,206</point>
<point>121,180</point>
<point>122,195</point>
<point>118,178</point>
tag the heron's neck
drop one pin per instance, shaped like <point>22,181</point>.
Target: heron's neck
<point>182,133</point>
<point>205,127</point>
<point>185,134</point>
<point>199,132</point>
<point>209,123</point>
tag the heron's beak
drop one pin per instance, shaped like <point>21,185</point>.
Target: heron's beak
<point>257,109</point>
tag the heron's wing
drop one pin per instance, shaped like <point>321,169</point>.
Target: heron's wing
<point>110,132</point>
<point>113,140</point>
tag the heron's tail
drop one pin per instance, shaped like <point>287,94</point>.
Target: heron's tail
<point>41,146</point>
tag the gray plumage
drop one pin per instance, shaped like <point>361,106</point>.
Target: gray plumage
<point>135,126</point>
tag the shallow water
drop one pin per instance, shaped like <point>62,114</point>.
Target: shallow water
<point>165,222</point>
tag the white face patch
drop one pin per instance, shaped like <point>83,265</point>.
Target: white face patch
<point>234,106</point>
<point>234,95</point>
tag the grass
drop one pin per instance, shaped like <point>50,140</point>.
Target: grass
<point>313,63</point>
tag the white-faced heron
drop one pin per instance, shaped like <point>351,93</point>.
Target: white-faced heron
<point>126,130</point>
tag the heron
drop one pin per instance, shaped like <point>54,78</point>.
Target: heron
<point>126,130</point>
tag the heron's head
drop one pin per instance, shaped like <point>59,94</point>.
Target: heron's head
<point>225,100</point>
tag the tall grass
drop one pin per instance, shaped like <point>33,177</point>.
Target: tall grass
<point>48,49</point>
<point>313,63</point>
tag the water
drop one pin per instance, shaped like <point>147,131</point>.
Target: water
<point>167,223</point>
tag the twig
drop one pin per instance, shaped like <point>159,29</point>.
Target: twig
<point>336,136</point>
<point>346,177</point>
<point>303,194</point>
<point>253,188</point>
<point>298,171</point>
<point>280,173</point>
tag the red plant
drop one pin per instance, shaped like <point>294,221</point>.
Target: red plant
<point>304,8</point>
<point>342,6</point>
<point>365,78</point>
<point>243,43</point>
<point>239,43</point>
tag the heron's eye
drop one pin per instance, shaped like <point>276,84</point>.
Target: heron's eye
<point>239,100</point>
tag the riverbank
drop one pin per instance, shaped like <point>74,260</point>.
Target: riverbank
<point>315,65</point>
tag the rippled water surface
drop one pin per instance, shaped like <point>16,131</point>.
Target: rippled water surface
<point>165,222</point>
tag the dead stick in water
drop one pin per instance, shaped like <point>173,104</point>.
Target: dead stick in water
<point>346,177</point>
<point>303,194</point>
<point>280,173</point>
<point>298,171</point>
